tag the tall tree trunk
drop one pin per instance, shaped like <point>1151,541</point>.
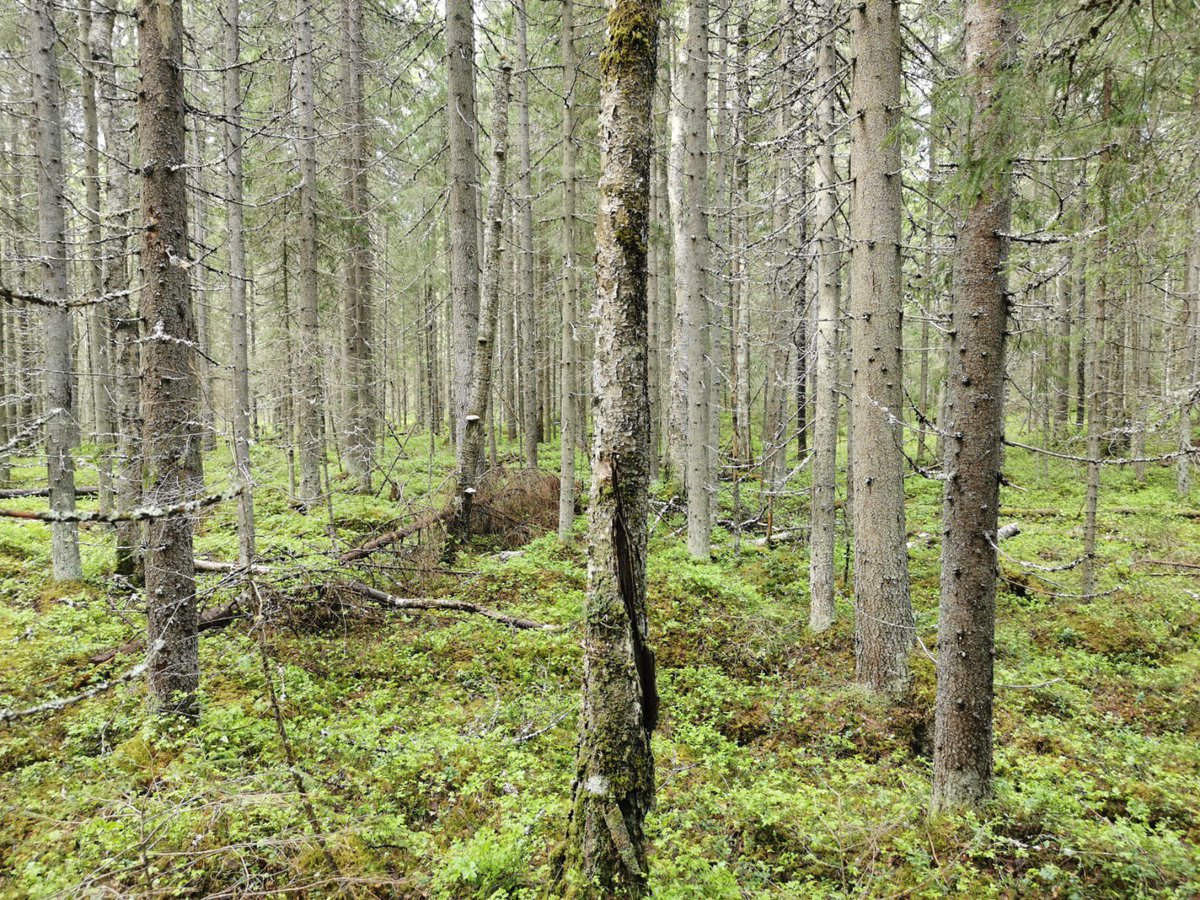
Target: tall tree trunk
<point>962,764</point>
<point>569,391</point>
<point>1062,394</point>
<point>677,417</point>
<point>884,629</point>
<point>311,402</point>
<point>237,278</point>
<point>779,337</point>
<point>743,452</point>
<point>614,781</point>
<point>694,274</point>
<point>526,299</point>
<point>472,448</point>
<point>98,337</point>
<point>463,206</point>
<point>930,294</point>
<point>123,318</point>
<point>170,396</point>
<point>62,428</point>
<point>825,424</point>
<point>357,298</point>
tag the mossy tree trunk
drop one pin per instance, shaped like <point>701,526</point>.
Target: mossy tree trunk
<point>614,784</point>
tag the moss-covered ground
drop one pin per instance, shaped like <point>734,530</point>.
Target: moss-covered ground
<point>437,748</point>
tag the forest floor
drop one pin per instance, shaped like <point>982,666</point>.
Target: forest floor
<point>437,748</point>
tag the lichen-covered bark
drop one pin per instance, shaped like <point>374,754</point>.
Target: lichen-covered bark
<point>62,428</point>
<point>614,785</point>
<point>974,446</point>
<point>170,405</point>
<point>884,631</point>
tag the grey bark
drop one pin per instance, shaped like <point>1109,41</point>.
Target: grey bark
<point>692,272</point>
<point>98,320</point>
<point>614,781</point>
<point>463,206</point>
<point>884,630</point>
<point>357,299</point>
<point>568,391</point>
<point>170,395</point>
<point>472,447</point>
<point>525,302</point>
<point>62,427</point>
<point>974,457</point>
<point>124,325</point>
<point>310,405</point>
<point>825,421</point>
<point>235,223</point>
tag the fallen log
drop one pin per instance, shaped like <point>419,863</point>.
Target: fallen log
<point>1169,562</point>
<point>395,537</point>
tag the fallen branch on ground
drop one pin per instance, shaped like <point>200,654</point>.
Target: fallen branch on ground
<point>434,603</point>
<point>8,715</point>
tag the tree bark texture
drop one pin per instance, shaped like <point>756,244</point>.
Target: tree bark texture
<point>884,630</point>
<point>614,782</point>
<point>974,446</point>
<point>170,395</point>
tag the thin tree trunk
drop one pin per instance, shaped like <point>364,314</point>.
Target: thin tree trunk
<point>823,539</point>
<point>1191,362</point>
<point>234,219</point>
<point>62,428</point>
<point>884,619</point>
<point>170,398</point>
<point>694,275</point>
<point>525,301</point>
<point>743,453</point>
<point>614,781</point>
<point>568,391</point>
<point>962,763</point>
<point>309,363</point>
<point>98,338</point>
<point>357,297</point>
<point>481,380</point>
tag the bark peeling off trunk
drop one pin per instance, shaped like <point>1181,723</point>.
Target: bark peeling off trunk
<point>614,786</point>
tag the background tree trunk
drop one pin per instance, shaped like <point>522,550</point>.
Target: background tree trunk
<point>234,219</point>
<point>62,428</point>
<point>309,362</point>
<point>569,389</point>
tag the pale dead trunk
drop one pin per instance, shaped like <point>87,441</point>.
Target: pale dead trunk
<point>568,390</point>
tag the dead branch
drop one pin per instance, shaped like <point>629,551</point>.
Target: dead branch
<point>426,603</point>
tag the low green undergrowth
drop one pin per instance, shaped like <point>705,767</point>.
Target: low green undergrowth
<point>436,749</point>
